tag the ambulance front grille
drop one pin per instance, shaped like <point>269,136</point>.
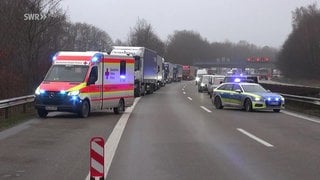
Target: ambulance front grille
<point>53,98</point>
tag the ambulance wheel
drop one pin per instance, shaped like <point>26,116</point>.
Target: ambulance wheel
<point>85,109</point>
<point>42,113</point>
<point>120,108</point>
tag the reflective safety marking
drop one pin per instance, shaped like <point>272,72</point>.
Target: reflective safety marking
<point>204,108</point>
<point>97,166</point>
<point>190,98</point>
<point>97,148</point>
<point>97,157</point>
<point>255,137</point>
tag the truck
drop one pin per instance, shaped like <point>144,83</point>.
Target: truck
<point>168,72</point>
<point>146,68</point>
<point>84,82</point>
<point>160,72</point>
<point>188,72</point>
<point>177,72</point>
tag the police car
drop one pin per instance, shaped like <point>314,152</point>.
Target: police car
<point>248,96</point>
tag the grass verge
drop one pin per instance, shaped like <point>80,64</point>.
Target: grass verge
<point>12,121</point>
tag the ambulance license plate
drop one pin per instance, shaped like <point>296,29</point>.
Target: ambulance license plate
<point>51,108</point>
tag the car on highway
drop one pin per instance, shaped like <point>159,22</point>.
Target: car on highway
<point>247,96</point>
<point>214,82</point>
<point>204,83</point>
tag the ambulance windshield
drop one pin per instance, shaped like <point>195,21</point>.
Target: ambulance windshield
<point>67,73</point>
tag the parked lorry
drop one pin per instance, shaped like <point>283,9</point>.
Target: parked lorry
<point>168,72</point>
<point>188,72</point>
<point>146,68</point>
<point>177,72</point>
<point>84,82</point>
<point>160,72</point>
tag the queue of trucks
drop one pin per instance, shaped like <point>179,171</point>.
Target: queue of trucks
<point>84,82</point>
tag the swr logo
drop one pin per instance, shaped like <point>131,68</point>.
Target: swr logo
<point>34,17</point>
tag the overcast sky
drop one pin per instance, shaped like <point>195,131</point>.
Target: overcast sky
<point>261,22</point>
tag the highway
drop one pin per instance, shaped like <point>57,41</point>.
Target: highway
<point>172,134</point>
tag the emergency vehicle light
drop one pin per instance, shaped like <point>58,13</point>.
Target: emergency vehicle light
<point>122,77</point>
<point>237,80</point>
<point>54,58</point>
<point>96,58</point>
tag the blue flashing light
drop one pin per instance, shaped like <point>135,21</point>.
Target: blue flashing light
<point>277,99</point>
<point>269,99</point>
<point>237,80</point>
<point>54,57</point>
<point>96,58</point>
<point>122,77</point>
<point>74,98</point>
<point>63,92</point>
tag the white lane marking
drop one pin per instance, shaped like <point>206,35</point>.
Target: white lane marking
<point>204,108</point>
<point>184,92</point>
<point>255,137</point>
<point>302,117</point>
<point>112,142</point>
<point>190,98</point>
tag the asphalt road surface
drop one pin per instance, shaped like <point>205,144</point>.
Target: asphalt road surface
<point>172,134</point>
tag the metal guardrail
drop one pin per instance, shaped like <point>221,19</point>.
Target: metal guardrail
<point>304,99</point>
<point>8,103</point>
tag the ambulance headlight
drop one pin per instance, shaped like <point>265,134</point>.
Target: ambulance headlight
<point>39,91</point>
<point>74,93</point>
<point>63,92</point>
<point>197,79</point>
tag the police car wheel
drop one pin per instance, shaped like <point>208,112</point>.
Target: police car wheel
<point>42,113</point>
<point>120,108</point>
<point>85,109</point>
<point>217,103</point>
<point>248,105</point>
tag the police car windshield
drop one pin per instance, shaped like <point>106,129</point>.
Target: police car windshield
<point>67,73</point>
<point>253,88</point>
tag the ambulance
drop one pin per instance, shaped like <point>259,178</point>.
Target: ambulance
<point>84,82</point>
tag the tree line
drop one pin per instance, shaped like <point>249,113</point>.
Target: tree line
<point>300,53</point>
<point>27,45</point>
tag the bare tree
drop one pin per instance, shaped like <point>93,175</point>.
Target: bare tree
<point>143,35</point>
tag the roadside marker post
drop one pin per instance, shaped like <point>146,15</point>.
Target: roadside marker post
<point>97,158</point>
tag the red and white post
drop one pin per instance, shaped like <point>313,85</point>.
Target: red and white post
<point>97,158</point>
